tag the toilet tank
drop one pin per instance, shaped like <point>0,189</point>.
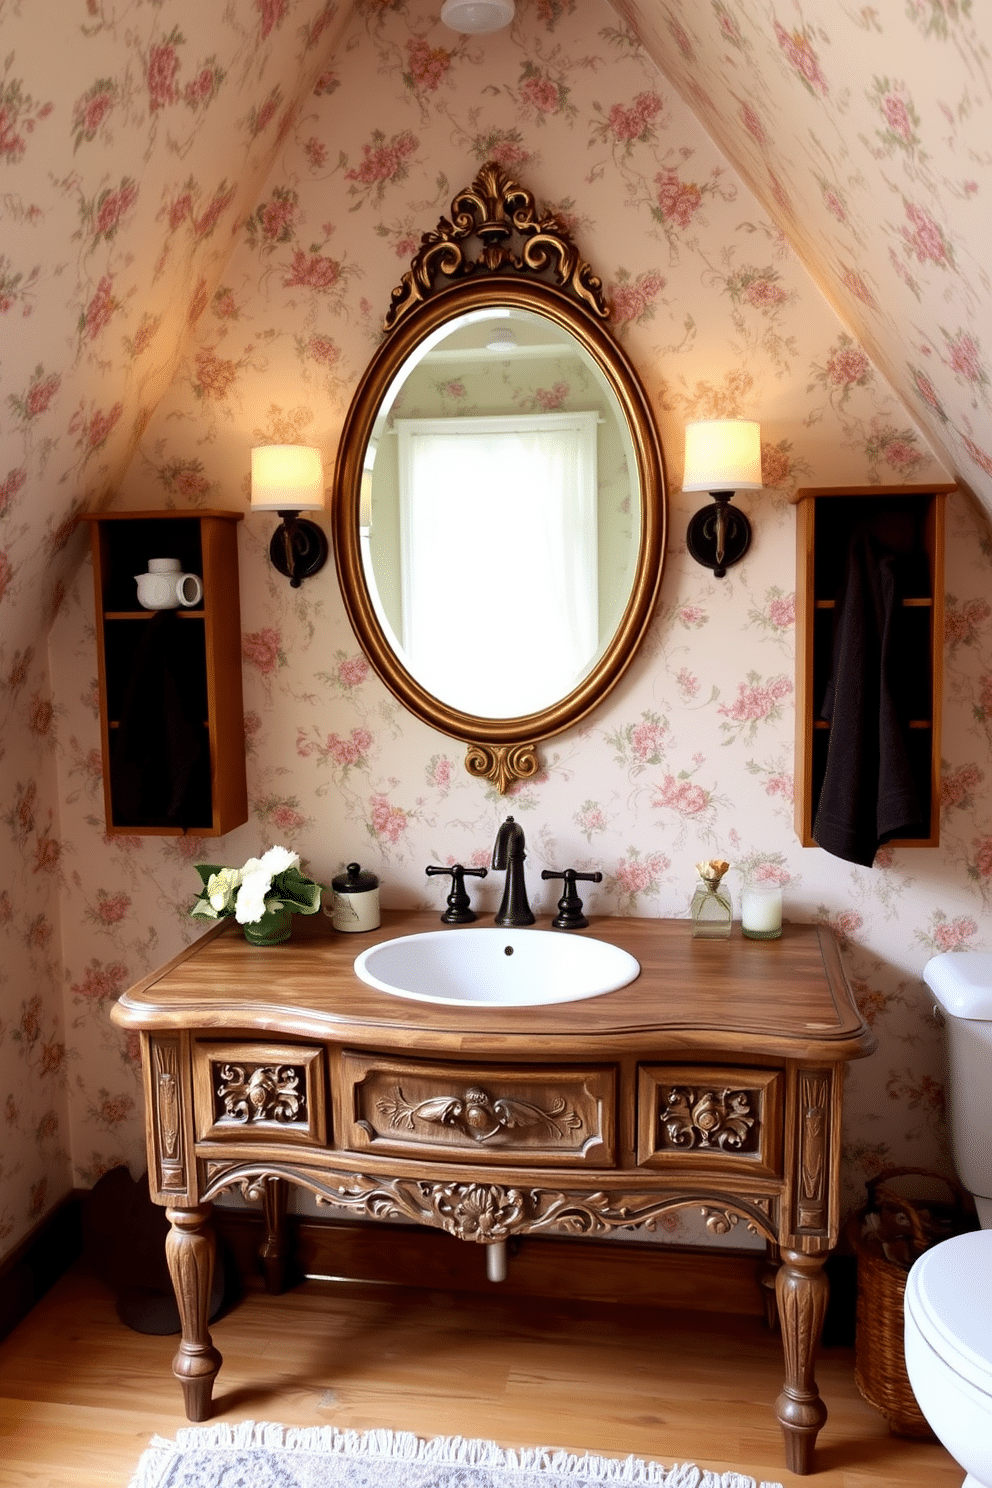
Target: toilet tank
<point>961,982</point>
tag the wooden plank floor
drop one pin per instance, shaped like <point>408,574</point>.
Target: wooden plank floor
<point>80,1394</point>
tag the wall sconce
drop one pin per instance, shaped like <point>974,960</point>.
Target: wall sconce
<point>289,479</point>
<point>474,17</point>
<point>721,456</point>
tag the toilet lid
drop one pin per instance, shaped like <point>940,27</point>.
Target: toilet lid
<point>949,1291</point>
<point>961,981</point>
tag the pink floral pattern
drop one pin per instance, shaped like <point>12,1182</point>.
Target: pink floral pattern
<point>682,795</point>
<point>384,163</point>
<point>924,239</point>
<point>223,285</point>
<point>633,299</point>
<point>92,109</point>
<point>678,201</point>
<point>427,65</point>
<point>757,702</point>
<point>19,115</point>
<point>162,73</point>
<point>799,50</point>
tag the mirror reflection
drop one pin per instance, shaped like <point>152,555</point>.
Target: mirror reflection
<point>500,513</point>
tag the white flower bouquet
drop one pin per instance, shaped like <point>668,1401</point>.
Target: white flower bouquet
<point>265,885</point>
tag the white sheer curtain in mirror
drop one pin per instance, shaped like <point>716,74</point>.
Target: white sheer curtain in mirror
<point>499,558</point>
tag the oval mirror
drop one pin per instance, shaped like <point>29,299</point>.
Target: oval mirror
<point>499,500</point>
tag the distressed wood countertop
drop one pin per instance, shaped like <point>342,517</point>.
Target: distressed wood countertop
<point>779,998</point>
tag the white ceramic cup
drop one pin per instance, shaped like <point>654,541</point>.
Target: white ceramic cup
<point>164,587</point>
<point>761,911</point>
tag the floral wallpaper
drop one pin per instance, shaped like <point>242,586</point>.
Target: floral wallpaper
<point>127,154</point>
<point>858,127</point>
<point>691,756</point>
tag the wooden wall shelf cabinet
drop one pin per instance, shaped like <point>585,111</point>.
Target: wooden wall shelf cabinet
<point>826,520</point>
<point>714,1081</point>
<point>171,713</point>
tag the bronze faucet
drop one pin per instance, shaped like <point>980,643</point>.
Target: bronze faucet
<point>509,854</point>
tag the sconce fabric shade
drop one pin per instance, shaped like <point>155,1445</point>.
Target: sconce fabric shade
<point>286,477</point>
<point>722,455</point>
<point>475,17</point>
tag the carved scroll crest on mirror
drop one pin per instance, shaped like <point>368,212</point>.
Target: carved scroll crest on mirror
<point>489,217</point>
<point>497,415</point>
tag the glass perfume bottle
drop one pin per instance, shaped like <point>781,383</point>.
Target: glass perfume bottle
<point>712,908</point>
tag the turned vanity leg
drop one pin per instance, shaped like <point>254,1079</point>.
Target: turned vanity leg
<point>801,1291</point>
<point>189,1250</point>
<point>272,1252</point>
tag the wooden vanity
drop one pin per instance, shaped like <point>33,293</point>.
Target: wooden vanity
<point>713,1081</point>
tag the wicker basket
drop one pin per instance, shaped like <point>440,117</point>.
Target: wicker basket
<point>887,1235</point>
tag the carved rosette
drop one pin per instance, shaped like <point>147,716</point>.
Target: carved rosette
<point>477,1115</point>
<point>263,1093</point>
<point>716,1119</point>
<point>495,228</point>
<point>485,1212</point>
<point>167,1118</point>
<point>501,763</point>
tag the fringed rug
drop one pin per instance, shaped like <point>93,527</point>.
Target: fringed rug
<point>260,1455</point>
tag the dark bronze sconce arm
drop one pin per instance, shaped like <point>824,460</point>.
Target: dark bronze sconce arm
<point>718,535</point>
<point>298,548</point>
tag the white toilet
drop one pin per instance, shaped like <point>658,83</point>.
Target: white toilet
<point>948,1304</point>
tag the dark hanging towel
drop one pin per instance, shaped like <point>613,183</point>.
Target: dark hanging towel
<point>869,792</point>
<point>158,742</point>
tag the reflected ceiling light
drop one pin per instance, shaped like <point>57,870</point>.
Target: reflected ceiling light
<point>721,456</point>
<point>477,16</point>
<point>502,339</point>
<point>289,479</point>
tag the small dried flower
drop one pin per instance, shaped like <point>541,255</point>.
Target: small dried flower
<point>712,870</point>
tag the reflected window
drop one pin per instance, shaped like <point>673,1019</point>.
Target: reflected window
<point>499,557</point>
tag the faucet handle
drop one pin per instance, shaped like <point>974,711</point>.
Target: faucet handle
<point>570,916</point>
<point>459,910</point>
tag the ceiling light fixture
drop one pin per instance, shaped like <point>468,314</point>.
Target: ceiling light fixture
<point>475,17</point>
<point>502,340</point>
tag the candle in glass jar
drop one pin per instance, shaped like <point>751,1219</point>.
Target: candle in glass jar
<point>761,911</point>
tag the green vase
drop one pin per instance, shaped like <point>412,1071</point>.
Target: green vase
<point>275,926</point>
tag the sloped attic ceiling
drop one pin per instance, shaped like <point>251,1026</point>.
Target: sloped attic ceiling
<point>130,146</point>
<point>862,137</point>
<point>863,130</point>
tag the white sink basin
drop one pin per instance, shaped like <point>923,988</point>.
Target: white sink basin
<point>496,968</point>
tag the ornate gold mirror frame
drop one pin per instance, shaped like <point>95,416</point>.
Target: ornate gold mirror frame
<point>497,251</point>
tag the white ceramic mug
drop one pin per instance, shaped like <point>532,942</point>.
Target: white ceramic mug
<point>164,587</point>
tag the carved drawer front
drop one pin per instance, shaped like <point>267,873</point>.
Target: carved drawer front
<point>484,1113</point>
<point>727,1118</point>
<point>244,1092</point>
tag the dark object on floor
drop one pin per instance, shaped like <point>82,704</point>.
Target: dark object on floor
<point>124,1245</point>
<point>838,1325</point>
